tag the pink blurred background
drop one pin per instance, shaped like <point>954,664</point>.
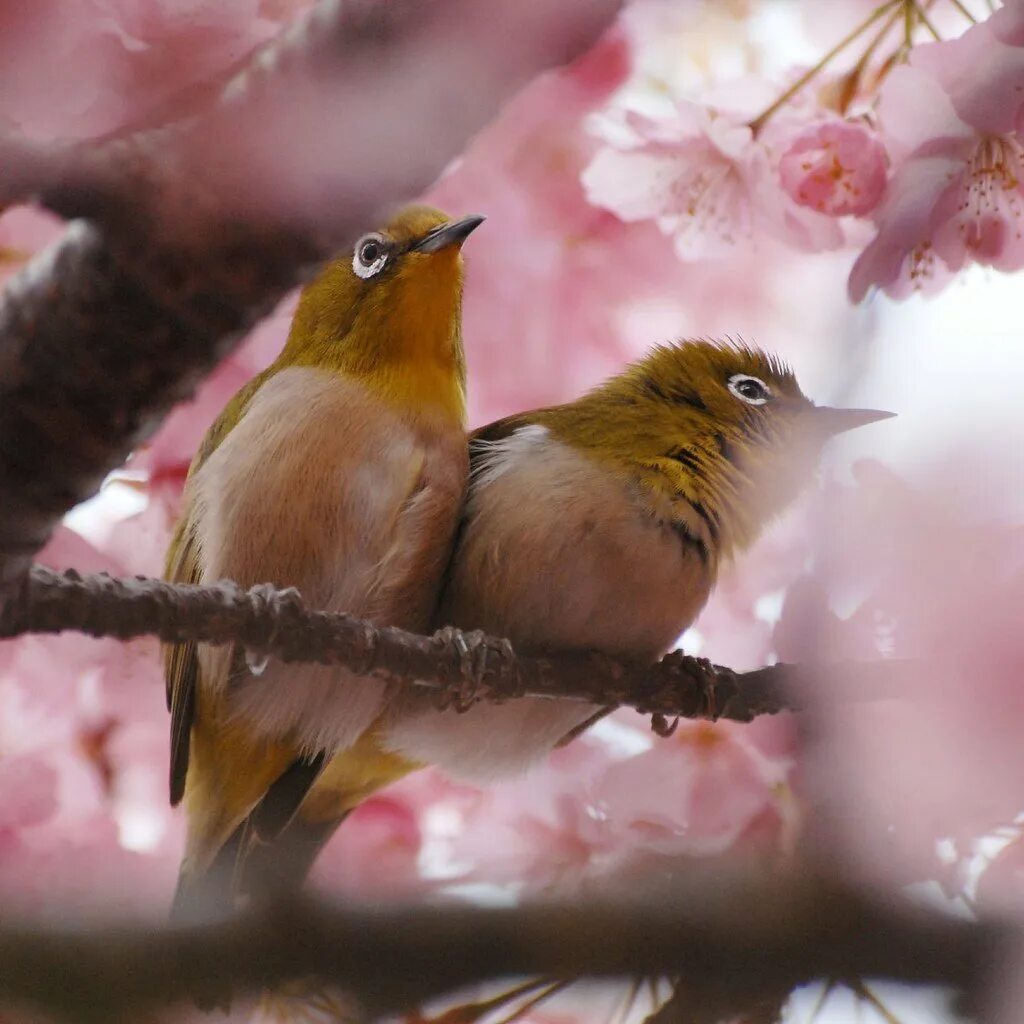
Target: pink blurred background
<point>629,203</point>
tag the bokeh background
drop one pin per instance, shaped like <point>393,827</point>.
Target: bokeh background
<point>629,203</point>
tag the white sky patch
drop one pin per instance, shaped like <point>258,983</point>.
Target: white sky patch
<point>96,518</point>
<point>768,607</point>
<point>842,1007</point>
<point>783,23</point>
<point>691,641</point>
<point>485,894</point>
<point>621,740</point>
<point>441,824</point>
<point>140,830</point>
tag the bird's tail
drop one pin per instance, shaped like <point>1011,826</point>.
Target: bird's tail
<point>213,890</point>
<point>280,867</point>
<point>205,893</point>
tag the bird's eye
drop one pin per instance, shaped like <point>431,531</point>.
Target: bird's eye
<point>751,390</point>
<point>371,253</point>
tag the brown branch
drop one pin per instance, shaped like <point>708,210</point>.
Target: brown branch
<point>727,937</point>
<point>463,666</point>
<point>198,229</point>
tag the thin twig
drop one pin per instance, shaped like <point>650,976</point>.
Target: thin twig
<point>909,20</point>
<point>966,13</point>
<point>759,122</point>
<point>922,16</point>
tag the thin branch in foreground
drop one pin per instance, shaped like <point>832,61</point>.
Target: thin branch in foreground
<point>103,333</point>
<point>728,938</point>
<point>463,667</point>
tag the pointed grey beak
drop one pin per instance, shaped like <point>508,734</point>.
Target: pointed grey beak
<point>455,232</point>
<point>836,421</point>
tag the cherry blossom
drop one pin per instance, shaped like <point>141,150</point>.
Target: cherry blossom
<point>705,180</point>
<point>835,167</point>
<point>721,785</point>
<point>956,193</point>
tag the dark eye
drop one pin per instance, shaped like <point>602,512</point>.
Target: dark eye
<point>371,253</point>
<point>751,390</point>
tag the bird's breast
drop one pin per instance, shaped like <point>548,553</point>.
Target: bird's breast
<point>557,552</point>
<point>322,487</point>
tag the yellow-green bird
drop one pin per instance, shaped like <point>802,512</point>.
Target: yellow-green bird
<point>602,524</point>
<point>339,470</point>
<point>599,525</point>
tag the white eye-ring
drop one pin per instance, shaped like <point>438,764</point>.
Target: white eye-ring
<point>751,390</point>
<point>370,255</point>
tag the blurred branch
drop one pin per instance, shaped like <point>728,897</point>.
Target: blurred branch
<point>197,229</point>
<point>730,939</point>
<point>463,666</point>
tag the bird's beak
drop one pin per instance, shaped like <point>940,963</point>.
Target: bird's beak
<point>836,421</point>
<point>455,232</point>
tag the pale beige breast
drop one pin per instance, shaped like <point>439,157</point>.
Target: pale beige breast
<point>322,487</point>
<point>558,552</point>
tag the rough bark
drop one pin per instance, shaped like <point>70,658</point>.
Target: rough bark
<point>462,667</point>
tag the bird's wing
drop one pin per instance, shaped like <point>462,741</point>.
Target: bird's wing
<point>181,663</point>
<point>499,429</point>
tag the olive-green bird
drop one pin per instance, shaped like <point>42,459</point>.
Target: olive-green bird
<point>601,525</point>
<point>339,470</point>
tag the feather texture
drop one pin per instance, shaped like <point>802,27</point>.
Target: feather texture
<point>596,564</point>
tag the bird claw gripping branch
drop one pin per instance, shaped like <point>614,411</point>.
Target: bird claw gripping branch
<point>474,649</point>
<point>703,676</point>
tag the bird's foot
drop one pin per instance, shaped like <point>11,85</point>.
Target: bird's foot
<point>474,649</point>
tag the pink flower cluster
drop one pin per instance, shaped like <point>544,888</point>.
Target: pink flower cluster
<point>951,119</point>
<point>938,170</point>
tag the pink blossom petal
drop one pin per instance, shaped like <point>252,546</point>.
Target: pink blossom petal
<point>696,793</point>
<point>28,792</point>
<point>638,185</point>
<point>1007,23</point>
<point>375,853</point>
<point>69,550</point>
<point>915,111</point>
<point>982,76</point>
<point>901,258</point>
<point>836,168</point>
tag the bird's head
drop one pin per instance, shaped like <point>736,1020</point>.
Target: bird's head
<point>723,426</point>
<point>389,310</point>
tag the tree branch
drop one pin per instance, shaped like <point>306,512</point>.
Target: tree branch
<point>462,666</point>
<point>198,229</point>
<point>726,936</point>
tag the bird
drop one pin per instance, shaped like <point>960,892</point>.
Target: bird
<point>597,525</point>
<point>602,525</point>
<point>340,470</point>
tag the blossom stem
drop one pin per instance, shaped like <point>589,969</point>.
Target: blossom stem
<point>909,21</point>
<point>879,12</point>
<point>966,13</point>
<point>553,989</point>
<point>922,16</point>
<point>869,52</point>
